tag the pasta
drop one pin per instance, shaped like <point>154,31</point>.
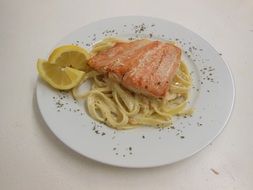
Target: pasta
<point>110,103</point>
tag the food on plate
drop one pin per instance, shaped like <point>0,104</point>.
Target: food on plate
<point>65,67</point>
<point>142,66</point>
<point>133,83</point>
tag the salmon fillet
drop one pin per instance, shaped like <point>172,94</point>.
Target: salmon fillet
<point>142,66</point>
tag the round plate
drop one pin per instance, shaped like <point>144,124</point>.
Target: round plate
<point>212,97</point>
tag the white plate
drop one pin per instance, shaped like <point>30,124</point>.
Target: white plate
<point>212,96</point>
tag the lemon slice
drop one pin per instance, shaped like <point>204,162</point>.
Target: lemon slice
<point>59,77</point>
<point>70,56</point>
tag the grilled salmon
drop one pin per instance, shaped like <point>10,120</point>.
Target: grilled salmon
<point>142,66</point>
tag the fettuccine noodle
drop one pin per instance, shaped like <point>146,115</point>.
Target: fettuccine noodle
<point>110,103</point>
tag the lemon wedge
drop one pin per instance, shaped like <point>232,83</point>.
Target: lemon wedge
<point>58,76</point>
<point>70,56</point>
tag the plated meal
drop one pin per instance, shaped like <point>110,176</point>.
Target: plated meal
<point>134,91</point>
<point>139,82</point>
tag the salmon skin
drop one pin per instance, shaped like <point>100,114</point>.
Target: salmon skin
<point>142,66</point>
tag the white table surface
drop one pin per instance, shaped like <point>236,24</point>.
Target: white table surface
<point>31,157</point>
